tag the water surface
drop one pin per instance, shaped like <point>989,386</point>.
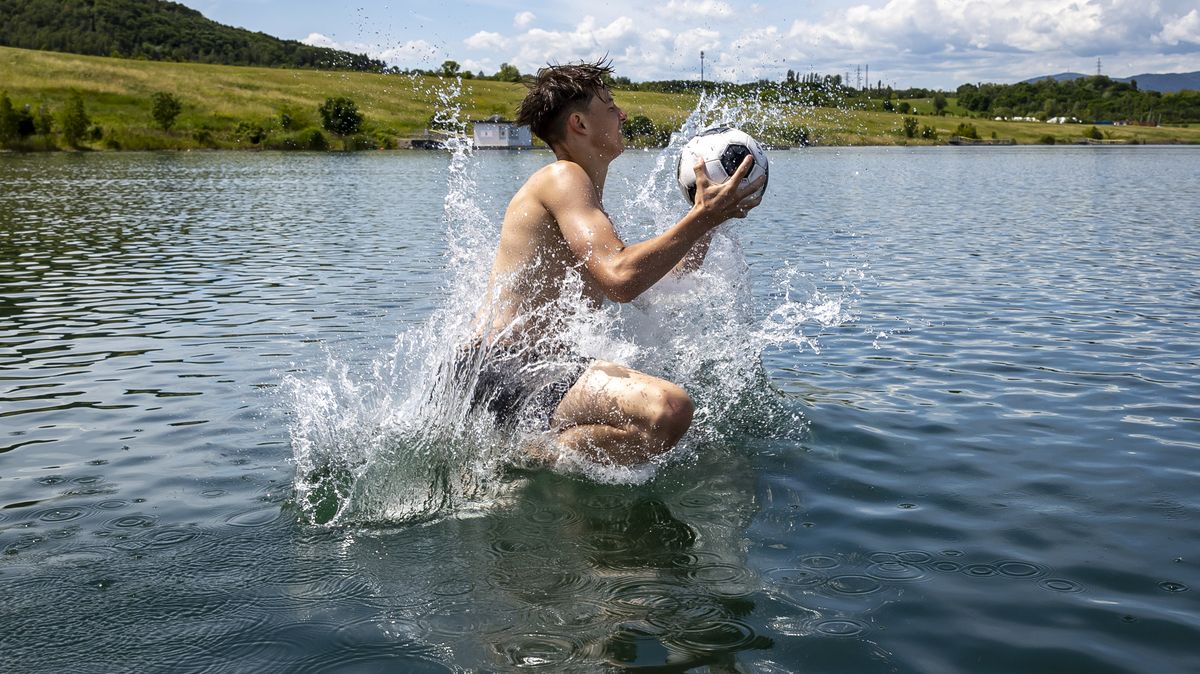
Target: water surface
<point>993,466</point>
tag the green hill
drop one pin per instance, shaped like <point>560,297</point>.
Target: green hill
<point>230,107</point>
<point>158,31</point>
<point>243,107</point>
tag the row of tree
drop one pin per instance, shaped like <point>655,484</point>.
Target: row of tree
<point>157,30</point>
<point>28,128</point>
<point>1091,98</point>
<point>506,73</point>
<point>18,125</point>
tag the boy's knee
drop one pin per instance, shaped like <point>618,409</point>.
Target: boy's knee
<point>671,415</point>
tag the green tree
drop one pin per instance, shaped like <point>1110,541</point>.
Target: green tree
<point>26,125</point>
<point>44,122</point>
<point>8,120</point>
<point>508,73</point>
<point>165,107</point>
<point>638,125</point>
<point>340,116</point>
<point>450,68</point>
<point>251,132</point>
<point>910,127</point>
<point>1093,133</point>
<point>74,120</point>
<point>940,103</point>
<point>888,106</point>
<point>904,107</point>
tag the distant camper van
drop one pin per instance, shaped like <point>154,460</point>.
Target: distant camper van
<point>497,132</point>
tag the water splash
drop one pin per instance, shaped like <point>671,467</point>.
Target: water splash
<point>397,441</point>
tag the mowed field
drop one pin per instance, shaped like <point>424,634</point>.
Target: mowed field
<point>218,99</point>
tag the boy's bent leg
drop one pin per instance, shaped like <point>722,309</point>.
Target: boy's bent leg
<point>619,415</point>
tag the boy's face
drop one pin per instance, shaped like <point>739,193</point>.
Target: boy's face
<point>607,117</point>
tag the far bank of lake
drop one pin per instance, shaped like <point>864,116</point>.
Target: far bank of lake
<point>238,108</point>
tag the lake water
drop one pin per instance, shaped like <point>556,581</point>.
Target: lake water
<point>965,436</point>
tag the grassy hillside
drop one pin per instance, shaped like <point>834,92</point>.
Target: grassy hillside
<point>216,99</point>
<point>223,105</point>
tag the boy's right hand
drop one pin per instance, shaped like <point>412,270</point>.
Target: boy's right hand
<point>720,201</point>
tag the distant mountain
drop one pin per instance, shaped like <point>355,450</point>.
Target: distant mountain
<point>159,31</point>
<point>1167,83</point>
<point>1060,77</point>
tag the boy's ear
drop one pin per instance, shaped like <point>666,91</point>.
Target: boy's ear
<point>576,122</point>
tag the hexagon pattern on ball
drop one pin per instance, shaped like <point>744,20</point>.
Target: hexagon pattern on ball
<point>722,148</point>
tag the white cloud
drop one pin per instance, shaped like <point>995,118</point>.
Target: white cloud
<point>486,40</point>
<point>1182,29</point>
<point>684,9</point>
<point>587,41</point>
<point>906,42</point>
<point>690,43</point>
<point>319,40</point>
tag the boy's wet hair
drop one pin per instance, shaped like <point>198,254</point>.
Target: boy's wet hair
<point>557,91</point>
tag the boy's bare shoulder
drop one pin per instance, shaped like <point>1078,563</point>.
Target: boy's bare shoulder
<point>558,181</point>
<point>558,175</point>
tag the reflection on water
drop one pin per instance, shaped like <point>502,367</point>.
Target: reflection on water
<point>571,575</point>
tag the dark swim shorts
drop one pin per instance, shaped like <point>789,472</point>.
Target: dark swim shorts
<point>516,385</point>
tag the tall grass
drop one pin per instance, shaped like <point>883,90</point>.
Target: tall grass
<point>217,99</point>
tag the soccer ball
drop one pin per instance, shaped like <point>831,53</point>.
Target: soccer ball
<point>722,148</point>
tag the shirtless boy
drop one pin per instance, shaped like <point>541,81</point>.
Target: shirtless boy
<point>555,227</point>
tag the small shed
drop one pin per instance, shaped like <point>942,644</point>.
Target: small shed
<point>497,132</point>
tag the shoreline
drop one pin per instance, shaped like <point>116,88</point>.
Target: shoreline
<point>245,108</point>
<point>631,148</point>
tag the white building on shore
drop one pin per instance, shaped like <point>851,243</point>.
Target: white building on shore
<point>497,132</point>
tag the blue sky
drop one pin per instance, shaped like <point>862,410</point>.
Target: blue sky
<point>931,43</point>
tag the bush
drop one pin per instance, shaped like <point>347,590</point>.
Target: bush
<point>8,120</point>
<point>340,116</point>
<point>386,140</point>
<point>250,132</point>
<point>928,132</point>
<point>910,127</point>
<point>1046,139</point>
<point>361,143</point>
<point>165,108</point>
<point>783,135</point>
<point>203,137</point>
<point>965,130</point>
<point>75,120</point>
<point>1093,133</point>
<point>44,122</point>
<point>25,123</point>
<point>904,108</point>
<point>95,132</point>
<point>638,125</point>
<point>313,139</point>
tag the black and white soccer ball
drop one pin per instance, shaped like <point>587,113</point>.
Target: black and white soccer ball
<point>722,148</point>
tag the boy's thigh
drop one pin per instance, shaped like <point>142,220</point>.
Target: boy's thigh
<point>612,394</point>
